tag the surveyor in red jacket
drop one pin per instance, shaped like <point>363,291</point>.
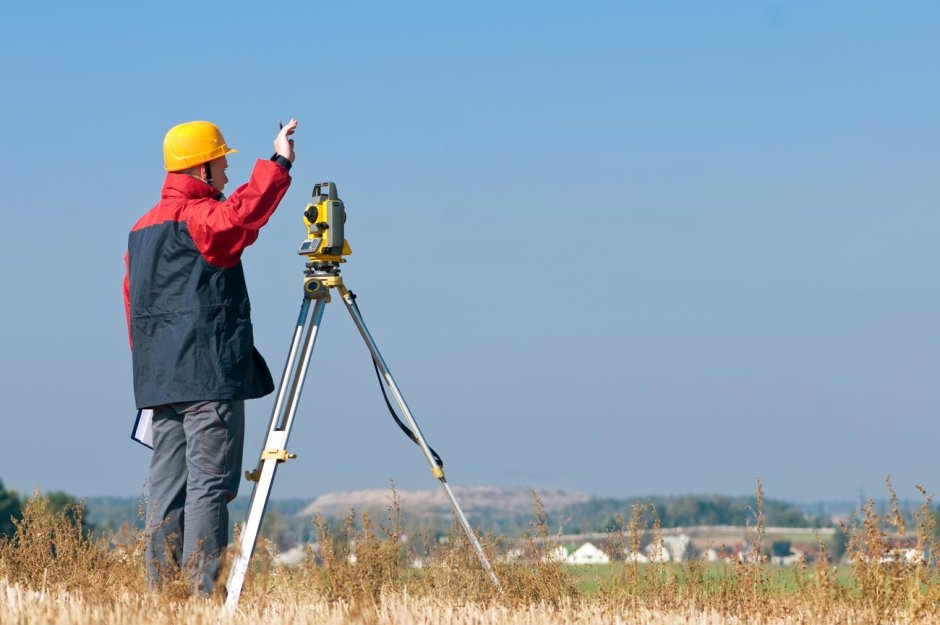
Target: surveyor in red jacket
<point>192,346</point>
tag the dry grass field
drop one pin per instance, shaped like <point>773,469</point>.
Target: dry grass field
<point>53,572</point>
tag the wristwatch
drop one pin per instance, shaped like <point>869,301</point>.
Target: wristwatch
<point>283,162</point>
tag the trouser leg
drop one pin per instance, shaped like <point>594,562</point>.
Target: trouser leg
<point>166,496</point>
<point>215,432</point>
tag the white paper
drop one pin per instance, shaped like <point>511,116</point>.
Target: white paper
<point>143,428</point>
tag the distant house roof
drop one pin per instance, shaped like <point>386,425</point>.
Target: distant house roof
<point>587,554</point>
<point>678,547</point>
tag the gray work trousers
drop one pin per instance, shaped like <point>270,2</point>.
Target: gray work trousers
<point>194,473</point>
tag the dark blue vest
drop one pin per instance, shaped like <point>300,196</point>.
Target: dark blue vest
<point>190,323</point>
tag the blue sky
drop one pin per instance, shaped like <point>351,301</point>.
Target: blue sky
<point>620,247</point>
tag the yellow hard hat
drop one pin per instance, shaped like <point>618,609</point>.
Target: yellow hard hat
<point>191,144</point>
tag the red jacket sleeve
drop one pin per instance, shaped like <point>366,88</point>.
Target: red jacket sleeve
<point>127,297</point>
<point>222,230</point>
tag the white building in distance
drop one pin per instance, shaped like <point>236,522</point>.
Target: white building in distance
<point>587,554</point>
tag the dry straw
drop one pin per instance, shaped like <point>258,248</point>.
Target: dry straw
<point>54,571</point>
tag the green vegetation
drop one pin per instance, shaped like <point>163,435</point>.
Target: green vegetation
<point>10,509</point>
<point>286,529</point>
<point>687,510</point>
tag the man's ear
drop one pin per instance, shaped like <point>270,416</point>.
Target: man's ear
<point>196,172</point>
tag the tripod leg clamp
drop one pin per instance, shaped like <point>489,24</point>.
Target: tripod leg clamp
<point>268,454</point>
<point>277,454</point>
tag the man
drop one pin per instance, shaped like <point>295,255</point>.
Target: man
<point>193,351</point>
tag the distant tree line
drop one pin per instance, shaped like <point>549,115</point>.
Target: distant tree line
<point>283,526</point>
<point>689,510</point>
<point>599,515</point>
<point>11,508</point>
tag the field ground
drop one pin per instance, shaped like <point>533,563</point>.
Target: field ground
<point>592,578</point>
<point>24,607</point>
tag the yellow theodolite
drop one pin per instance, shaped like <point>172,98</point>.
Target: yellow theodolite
<point>326,245</point>
<point>325,219</point>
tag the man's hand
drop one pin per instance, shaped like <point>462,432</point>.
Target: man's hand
<point>283,145</point>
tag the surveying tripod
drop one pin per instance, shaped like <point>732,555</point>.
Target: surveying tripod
<point>325,248</point>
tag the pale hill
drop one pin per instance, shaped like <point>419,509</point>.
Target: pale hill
<point>473,500</point>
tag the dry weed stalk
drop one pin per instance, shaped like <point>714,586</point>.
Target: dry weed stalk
<point>55,552</point>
